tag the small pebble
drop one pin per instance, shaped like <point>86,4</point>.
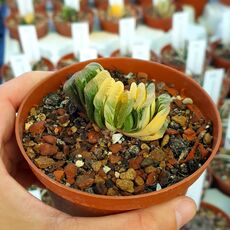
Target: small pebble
<point>106,169</point>
<point>79,163</point>
<point>145,146</point>
<point>139,180</point>
<point>96,166</point>
<point>158,187</point>
<point>117,174</point>
<point>116,137</point>
<point>130,174</point>
<point>125,185</point>
<point>187,101</point>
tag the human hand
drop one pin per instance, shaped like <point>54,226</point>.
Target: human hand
<point>21,211</point>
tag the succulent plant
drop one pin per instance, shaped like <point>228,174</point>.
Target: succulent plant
<point>69,14</point>
<point>27,19</point>
<point>164,8</point>
<point>136,112</point>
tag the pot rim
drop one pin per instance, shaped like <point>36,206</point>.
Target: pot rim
<point>105,197</point>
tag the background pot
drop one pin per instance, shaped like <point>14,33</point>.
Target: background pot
<point>166,49</point>
<point>99,204</point>
<point>41,29</point>
<point>48,63</point>
<point>145,3</point>
<point>68,56</point>
<point>103,4</point>
<point>157,23</point>
<point>64,28</point>
<point>38,7</point>
<point>113,26</point>
<point>57,4</point>
<point>154,57</point>
<point>224,186</point>
<point>198,5</point>
<point>217,60</point>
<point>225,2</point>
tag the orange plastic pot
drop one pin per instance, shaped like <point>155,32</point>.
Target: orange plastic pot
<point>64,28</point>
<point>103,4</point>
<point>157,23</point>
<point>198,5</point>
<point>216,210</point>
<point>66,57</point>
<point>225,2</point>
<point>153,55</point>
<point>113,26</point>
<point>145,3</point>
<point>38,7</point>
<point>96,205</point>
<point>41,28</point>
<point>217,60</point>
<point>57,5</point>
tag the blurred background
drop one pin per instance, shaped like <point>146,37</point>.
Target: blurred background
<point>192,36</point>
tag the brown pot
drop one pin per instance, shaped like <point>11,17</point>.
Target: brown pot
<point>166,49</point>
<point>216,210</point>
<point>41,28</point>
<point>38,7</point>
<point>69,56</point>
<point>145,3</point>
<point>225,2</point>
<point>157,23</point>
<point>6,67</point>
<point>224,186</point>
<point>100,204</point>
<point>103,4</point>
<point>57,5</point>
<point>153,55</point>
<point>64,28</point>
<point>113,26</point>
<point>217,60</point>
<point>198,5</point>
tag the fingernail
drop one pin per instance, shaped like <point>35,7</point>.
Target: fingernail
<point>185,211</point>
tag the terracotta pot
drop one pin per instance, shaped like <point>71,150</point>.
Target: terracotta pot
<point>103,4</point>
<point>58,4</point>
<point>198,5</point>
<point>216,210</point>
<point>113,26</point>
<point>153,55</point>
<point>6,68</point>
<point>38,7</point>
<point>217,60</point>
<point>69,56</point>
<point>64,28</point>
<point>225,2</point>
<point>145,3</point>
<point>41,28</point>
<point>224,186</point>
<point>99,204</point>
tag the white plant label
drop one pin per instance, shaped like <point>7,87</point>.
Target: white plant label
<point>213,80</point>
<point>127,28</point>
<point>141,51</point>
<point>196,57</point>
<point>19,64</point>
<point>227,138</point>
<point>226,28</point>
<point>155,2</point>
<point>87,54</point>
<point>29,41</point>
<point>116,2</point>
<point>73,4</point>
<point>80,36</point>
<point>25,7</point>
<point>179,28</point>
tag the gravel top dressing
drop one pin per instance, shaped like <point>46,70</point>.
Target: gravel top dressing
<point>104,137</point>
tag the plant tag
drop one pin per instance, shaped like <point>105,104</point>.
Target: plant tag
<point>29,41</point>
<point>87,54</point>
<point>227,138</point>
<point>127,28</point>
<point>179,28</point>
<point>25,8</point>
<point>156,2</point>
<point>213,80</point>
<point>75,4</point>
<point>196,57</point>
<point>141,51</point>
<point>80,36</point>
<point>116,2</point>
<point>20,64</point>
<point>226,28</point>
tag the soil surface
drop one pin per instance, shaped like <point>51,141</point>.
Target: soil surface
<point>66,146</point>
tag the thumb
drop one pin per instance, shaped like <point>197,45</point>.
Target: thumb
<point>171,215</point>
